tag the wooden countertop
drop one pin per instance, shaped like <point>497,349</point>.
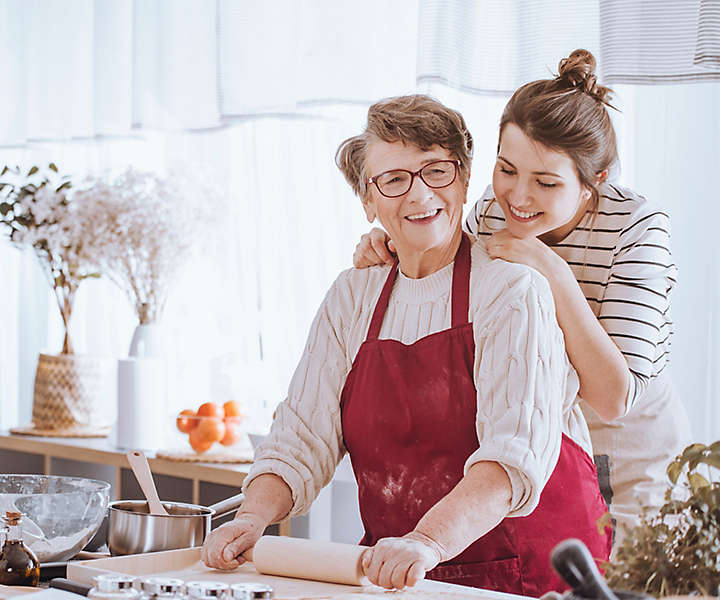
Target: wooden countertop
<point>185,564</point>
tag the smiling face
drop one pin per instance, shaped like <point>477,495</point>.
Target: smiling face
<point>537,188</point>
<point>424,223</point>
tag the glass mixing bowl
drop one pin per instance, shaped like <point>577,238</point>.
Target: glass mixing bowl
<point>60,514</point>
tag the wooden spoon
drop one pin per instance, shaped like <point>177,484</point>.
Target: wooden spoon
<point>141,469</point>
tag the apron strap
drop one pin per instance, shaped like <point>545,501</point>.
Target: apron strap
<point>461,283</point>
<point>382,303</point>
<point>460,291</point>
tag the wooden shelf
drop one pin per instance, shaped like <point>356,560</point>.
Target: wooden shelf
<point>104,451</point>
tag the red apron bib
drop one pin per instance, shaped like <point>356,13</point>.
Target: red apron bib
<point>408,419</point>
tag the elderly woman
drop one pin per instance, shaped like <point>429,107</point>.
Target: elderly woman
<point>445,378</point>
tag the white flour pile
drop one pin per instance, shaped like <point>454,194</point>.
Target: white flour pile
<point>46,549</point>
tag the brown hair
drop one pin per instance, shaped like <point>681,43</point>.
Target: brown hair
<point>419,120</point>
<point>568,113</point>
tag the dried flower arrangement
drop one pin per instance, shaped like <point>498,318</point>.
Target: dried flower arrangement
<point>676,550</point>
<point>36,211</point>
<point>149,223</point>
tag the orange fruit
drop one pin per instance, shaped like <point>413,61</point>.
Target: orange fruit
<point>232,409</point>
<point>186,421</point>
<point>198,444</point>
<point>232,432</point>
<point>210,409</point>
<point>210,429</point>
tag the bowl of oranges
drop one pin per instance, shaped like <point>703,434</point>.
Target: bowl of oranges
<point>212,424</point>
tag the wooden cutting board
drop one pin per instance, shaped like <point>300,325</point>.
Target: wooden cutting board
<point>185,564</point>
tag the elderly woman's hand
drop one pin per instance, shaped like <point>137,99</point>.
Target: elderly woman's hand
<point>224,546</point>
<point>373,249</point>
<point>398,562</point>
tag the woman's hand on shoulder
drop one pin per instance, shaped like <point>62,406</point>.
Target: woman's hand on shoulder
<point>398,562</point>
<point>528,251</point>
<point>224,546</point>
<point>374,248</point>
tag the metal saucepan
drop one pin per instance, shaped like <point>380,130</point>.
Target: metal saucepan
<point>133,530</point>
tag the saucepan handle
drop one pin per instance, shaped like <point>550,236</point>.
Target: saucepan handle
<point>227,506</point>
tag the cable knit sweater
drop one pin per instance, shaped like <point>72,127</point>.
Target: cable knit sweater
<point>526,387</point>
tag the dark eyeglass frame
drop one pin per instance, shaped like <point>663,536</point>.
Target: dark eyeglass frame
<point>414,174</point>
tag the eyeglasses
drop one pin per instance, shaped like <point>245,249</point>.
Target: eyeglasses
<point>437,174</point>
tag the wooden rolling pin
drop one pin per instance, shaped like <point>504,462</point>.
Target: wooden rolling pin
<point>308,559</point>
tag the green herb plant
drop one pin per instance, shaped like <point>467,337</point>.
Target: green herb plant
<point>676,549</point>
<point>36,211</point>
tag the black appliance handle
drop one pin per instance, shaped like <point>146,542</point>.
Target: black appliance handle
<point>70,586</point>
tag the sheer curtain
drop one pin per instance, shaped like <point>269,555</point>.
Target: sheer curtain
<point>258,96</point>
<point>89,68</point>
<point>669,140</point>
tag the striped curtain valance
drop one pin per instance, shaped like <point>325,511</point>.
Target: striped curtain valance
<point>707,53</point>
<point>660,41</point>
<point>495,46</point>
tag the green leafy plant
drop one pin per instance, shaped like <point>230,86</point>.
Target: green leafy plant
<point>36,211</point>
<point>676,550</point>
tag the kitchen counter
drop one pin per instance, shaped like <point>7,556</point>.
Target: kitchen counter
<point>334,515</point>
<point>198,483</point>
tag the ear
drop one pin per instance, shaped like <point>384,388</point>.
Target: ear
<point>602,176</point>
<point>466,185</point>
<point>369,207</point>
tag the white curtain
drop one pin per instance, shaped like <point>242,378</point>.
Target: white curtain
<point>9,355</point>
<point>99,68</point>
<point>259,95</point>
<point>669,138</point>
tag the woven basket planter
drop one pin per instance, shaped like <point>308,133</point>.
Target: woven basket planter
<point>71,396</point>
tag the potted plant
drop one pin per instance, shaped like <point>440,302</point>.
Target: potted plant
<point>37,211</point>
<point>676,550</point>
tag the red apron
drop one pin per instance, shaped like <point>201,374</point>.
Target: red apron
<point>408,419</point>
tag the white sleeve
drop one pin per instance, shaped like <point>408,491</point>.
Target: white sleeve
<point>305,443</point>
<point>521,372</point>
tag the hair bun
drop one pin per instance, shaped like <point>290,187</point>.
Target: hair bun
<point>578,71</point>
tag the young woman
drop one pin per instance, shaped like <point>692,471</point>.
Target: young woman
<point>605,252</point>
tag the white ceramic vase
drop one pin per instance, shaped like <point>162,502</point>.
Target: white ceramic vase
<point>147,341</point>
<point>142,390</point>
